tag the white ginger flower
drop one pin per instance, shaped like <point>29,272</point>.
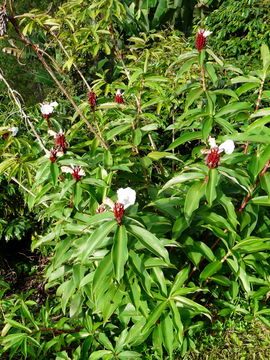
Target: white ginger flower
<point>126,196</point>
<point>13,130</point>
<point>227,146</point>
<point>48,108</point>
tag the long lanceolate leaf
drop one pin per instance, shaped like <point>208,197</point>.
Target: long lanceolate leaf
<point>93,241</point>
<point>119,252</point>
<point>149,241</point>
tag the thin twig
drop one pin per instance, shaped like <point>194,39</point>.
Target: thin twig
<point>21,111</point>
<point>37,51</point>
<point>249,195</point>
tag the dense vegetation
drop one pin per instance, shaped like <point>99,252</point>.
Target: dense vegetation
<point>134,178</point>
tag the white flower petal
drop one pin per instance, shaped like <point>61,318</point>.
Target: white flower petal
<point>107,201</point>
<point>67,169</point>
<point>59,154</point>
<point>54,104</point>
<point>206,33</point>
<point>212,142</point>
<point>14,130</point>
<point>126,196</point>
<point>46,109</point>
<point>227,146</point>
<point>48,154</point>
<point>52,133</point>
<point>81,172</point>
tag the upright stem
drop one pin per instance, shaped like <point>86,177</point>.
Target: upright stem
<point>260,95</point>
<point>203,78</point>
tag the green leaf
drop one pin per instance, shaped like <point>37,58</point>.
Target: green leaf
<point>179,179</point>
<point>119,252</point>
<point>265,183</point>
<point>192,304</point>
<point>179,280</point>
<point>210,270</point>
<point>193,95</point>
<point>265,53</point>
<point>99,354</point>
<point>17,325</point>
<point>261,112</point>
<point>154,316</point>
<point>117,131</point>
<point>210,190</point>
<point>126,355</point>
<point>214,56</point>
<point>150,241</point>
<point>137,137</point>
<point>245,79</point>
<point>93,241</point>
<point>253,244</point>
<point>260,200</point>
<point>167,332</point>
<point>54,172</point>
<point>187,136</point>
<point>68,64</point>
<point>193,197</point>
<point>66,289</point>
<point>102,271</point>
<point>233,108</point>
<point>157,155</point>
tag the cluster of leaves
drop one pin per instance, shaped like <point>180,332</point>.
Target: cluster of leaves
<point>241,27</point>
<point>197,234</point>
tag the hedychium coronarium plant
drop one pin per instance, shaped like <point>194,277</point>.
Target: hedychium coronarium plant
<point>159,208</point>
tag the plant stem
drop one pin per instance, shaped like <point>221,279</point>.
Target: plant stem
<point>23,114</point>
<point>37,51</point>
<point>249,195</point>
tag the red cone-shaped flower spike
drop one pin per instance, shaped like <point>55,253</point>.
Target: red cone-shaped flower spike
<point>201,39</point>
<point>92,99</point>
<point>118,211</point>
<point>213,158</point>
<point>119,97</point>
<point>60,142</point>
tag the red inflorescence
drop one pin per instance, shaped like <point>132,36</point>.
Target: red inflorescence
<point>46,116</point>
<point>212,159</point>
<point>119,98</point>
<point>118,211</point>
<point>4,136</point>
<point>60,142</point>
<point>76,176</point>
<point>53,155</point>
<point>92,99</point>
<point>200,41</point>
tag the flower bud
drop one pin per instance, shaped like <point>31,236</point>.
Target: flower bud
<point>92,100</point>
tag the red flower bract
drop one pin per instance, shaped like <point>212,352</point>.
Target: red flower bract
<point>119,99</point>
<point>76,176</point>
<point>212,159</point>
<point>118,211</point>
<point>4,136</point>
<point>53,155</point>
<point>200,40</point>
<point>92,99</point>
<point>60,142</point>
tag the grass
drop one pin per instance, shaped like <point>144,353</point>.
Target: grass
<point>234,339</point>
